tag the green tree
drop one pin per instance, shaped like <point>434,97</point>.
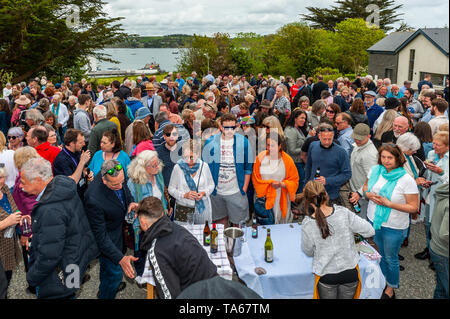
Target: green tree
<point>328,18</point>
<point>353,37</point>
<point>36,38</point>
<point>296,49</point>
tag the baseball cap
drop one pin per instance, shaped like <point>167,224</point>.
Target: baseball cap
<point>361,131</point>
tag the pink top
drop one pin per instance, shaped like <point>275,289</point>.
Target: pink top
<point>143,146</point>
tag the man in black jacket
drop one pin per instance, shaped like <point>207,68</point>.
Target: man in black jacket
<point>176,257</point>
<point>317,89</point>
<point>62,245</point>
<point>107,200</point>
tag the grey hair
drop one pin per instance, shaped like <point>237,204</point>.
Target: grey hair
<point>44,102</point>
<point>161,117</point>
<point>100,112</point>
<point>137,172</point>
<point>107,165</point>
<point>37,167</point>
<point>34,115</point>
<point>408,142</point>
<point>16,131</point>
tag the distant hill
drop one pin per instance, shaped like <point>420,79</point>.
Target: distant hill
<point>167,41</point>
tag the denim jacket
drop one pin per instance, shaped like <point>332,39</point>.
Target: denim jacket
<point>243,158</point>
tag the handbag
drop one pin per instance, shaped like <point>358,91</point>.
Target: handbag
<point>263,216</point>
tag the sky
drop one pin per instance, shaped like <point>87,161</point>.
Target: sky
<point>206,17</point>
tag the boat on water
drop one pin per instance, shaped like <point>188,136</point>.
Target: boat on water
<point>175,52</point>
<point>148,69</point>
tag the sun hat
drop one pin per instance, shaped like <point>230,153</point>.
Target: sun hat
<point>149,87</point>
<point>22,100</point>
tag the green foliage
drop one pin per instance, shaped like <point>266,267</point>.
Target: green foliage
<point>328,18</point>
<point>327,73</point>
<point>35,37</point>
<point>352,38</point>
<point>167,41</point>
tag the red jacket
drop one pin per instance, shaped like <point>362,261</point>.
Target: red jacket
<point>48,152</point>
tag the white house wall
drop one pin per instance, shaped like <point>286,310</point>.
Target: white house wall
<point>429,59</point>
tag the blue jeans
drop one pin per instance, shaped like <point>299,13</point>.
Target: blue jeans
<point>441,266</point>
<point>389,242</point>
<point>301,174</point>
<point>110,278</point>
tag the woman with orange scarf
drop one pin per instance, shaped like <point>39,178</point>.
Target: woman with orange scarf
<point>276,178</point>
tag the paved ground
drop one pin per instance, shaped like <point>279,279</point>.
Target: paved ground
<point>417,281</point>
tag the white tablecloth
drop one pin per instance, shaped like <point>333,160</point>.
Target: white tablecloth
<point>290,275</point>
<point>219,259</point>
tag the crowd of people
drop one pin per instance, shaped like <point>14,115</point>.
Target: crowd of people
<point>98,171</point>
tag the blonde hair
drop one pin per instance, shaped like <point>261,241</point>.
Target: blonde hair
<point>23,154</point>
<point>441,137</point>
<point>2,142</point>
<point>444,127</point>
<point>137,172</point>
<point>274,123</point>
<point>380,101</point>
<point>386,124</point>
<point>186,114</point>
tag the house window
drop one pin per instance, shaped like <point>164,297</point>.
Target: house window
<point>412,57</point>
<point>389,73</point>
<point>436,79</point>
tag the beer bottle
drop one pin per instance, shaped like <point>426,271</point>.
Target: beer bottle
<point>317,175</point>
<point>206,235</point>
<point>213,242</point>
<point>254,229</point>
<point>356,205</point>
<point>268,248</point>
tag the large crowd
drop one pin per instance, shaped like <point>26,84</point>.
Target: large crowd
<point>92,171</point>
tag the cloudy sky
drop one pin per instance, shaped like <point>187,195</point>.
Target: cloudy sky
<point>163,17</point>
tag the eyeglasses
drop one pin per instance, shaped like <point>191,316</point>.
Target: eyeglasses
<point>229,128</point>
<point>111,172</point>
<point>330,111</point>
<point>12,138</point>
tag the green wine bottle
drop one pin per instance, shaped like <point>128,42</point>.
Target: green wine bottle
<point>268,248</point>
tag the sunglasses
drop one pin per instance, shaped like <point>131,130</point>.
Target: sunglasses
<point>171,134</point>
<point>229,128</point>
<point>326,129</point>
<point>267,127</point>
<point>330,111</point>
<point>111,172</point>
<point>12,138</point>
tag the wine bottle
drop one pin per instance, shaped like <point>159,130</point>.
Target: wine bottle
<point>213,242</point>
<point>268,248</point>
<point>254,229</point>
<point>206,235</point>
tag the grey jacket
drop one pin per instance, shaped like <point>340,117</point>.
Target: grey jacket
<point>294,140</point>
<point>362,160</point>
<point>313,119</point>
<point>157,101</point>
<point>439,222</point>
<point>338,252</point>
<point>82,122</point>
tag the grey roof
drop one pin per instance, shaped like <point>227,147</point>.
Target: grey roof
<point>391,42</point>
<point>439,36</point>
<point>396,41</point>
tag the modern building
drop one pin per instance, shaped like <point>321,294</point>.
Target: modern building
<point>403,56</point>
